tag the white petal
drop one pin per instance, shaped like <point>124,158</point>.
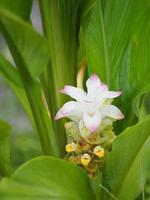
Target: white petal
<point>92,122</point>
<point>112,111</point>
<point>76,93</point>
<point>71,110</point>
<point>103,87</point>
<point>112,94</point>
<point>106,97</point>
<point>93,83</point>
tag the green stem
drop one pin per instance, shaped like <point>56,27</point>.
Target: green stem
<point>55,70</point>
<point>42,121</point>
<point>54,81</point>
<point>44,84</point>
<point>33,90</point>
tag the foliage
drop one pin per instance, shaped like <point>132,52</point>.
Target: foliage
<point>5,164</point>
<point>45,184</point>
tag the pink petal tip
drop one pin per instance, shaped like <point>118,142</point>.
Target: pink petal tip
<point>94,77</point>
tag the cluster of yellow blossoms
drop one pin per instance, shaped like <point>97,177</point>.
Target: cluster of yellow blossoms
<point>88,152</point>
<point>86,157</point>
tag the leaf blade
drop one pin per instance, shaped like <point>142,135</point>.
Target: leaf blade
<point>19,35</point>
<point>5,164</point>
<point>9,72</point>
<point>120,160</point>
<point>44,183</point>
<point>21,9</point>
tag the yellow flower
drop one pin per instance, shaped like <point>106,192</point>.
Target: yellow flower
<point>99,151</point>
<point>85,159</point>
<point>71,147</point>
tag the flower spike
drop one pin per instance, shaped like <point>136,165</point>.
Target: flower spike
<point>90,131</point>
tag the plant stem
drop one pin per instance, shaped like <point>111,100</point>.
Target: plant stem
<point>42,121</point>
<point>33,90</point>
<point>55,69</point>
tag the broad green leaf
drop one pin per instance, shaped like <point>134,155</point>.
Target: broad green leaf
<point>46,178</point>
<point>22,39</point>
<point>95,42</point>
<point>122,174</point>
<point>121,27</point>
<point>18,7</point>
<point>135,181</point>
<point>116,34</point>
<point>9,72</point>
<point>134,76</point>
<point>5,164</point>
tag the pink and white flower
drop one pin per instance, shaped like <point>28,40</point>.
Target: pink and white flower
<point>91,107</point>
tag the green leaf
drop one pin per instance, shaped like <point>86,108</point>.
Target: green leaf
<point>121,28</point>
<point>95,42</point>
<point>122,173</point>
<point>10,72</point>
<point>30,53</point>
<point>134,76</point>
<point>22,97</point>
<point>116,34</point>
<point>5,164</point>
<point>42,119</point>
<point>22,39</point>
<point>17,7</point>
<point>47,178</point>
<point>32,102</point>
<point>11,75</point>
